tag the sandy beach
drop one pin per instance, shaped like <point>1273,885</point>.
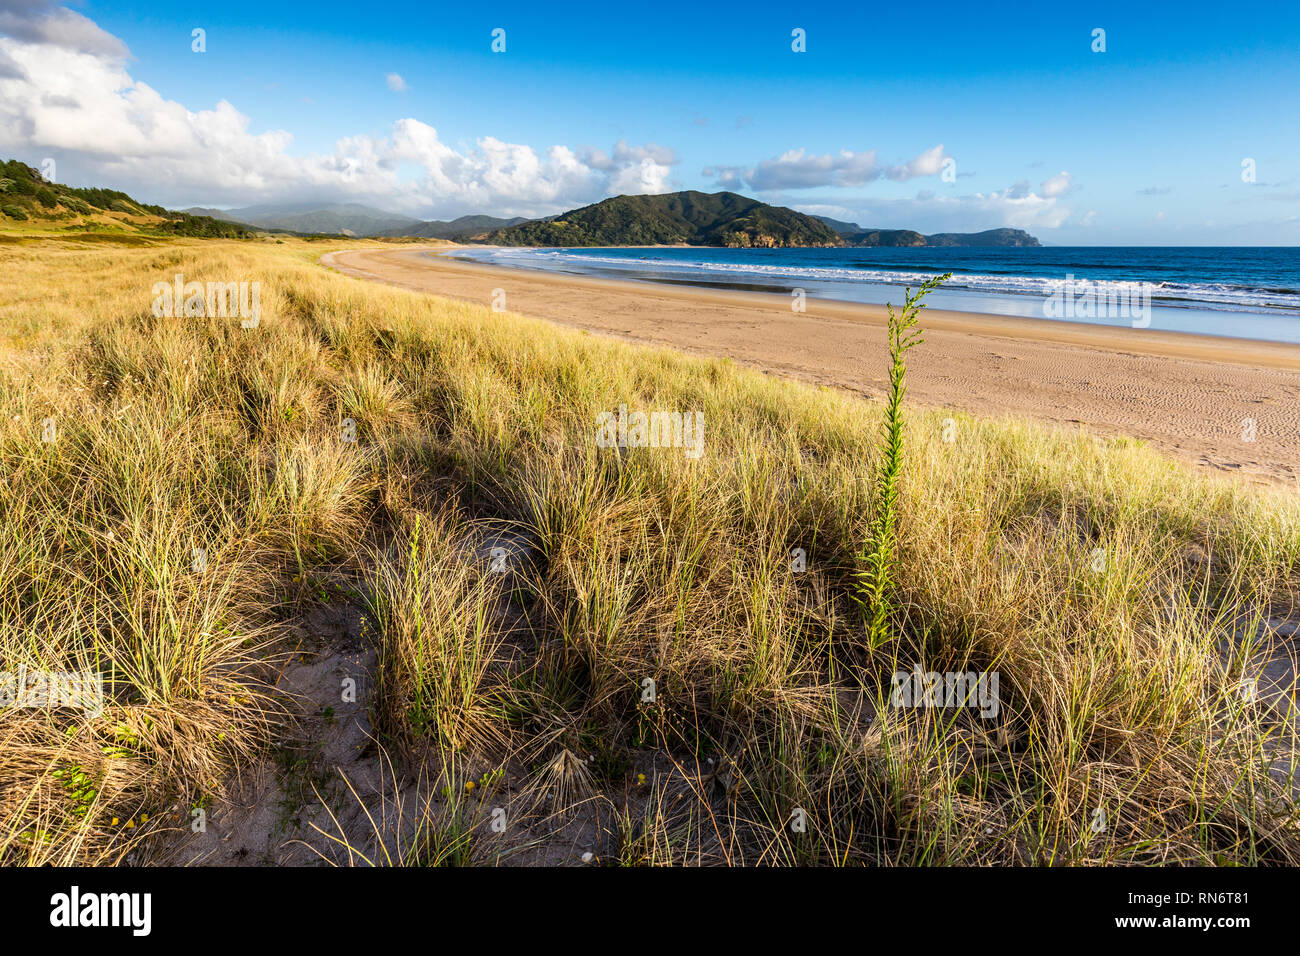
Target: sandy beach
<point>1187,395</point>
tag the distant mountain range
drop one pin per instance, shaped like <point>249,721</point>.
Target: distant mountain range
<point>462,229</point>
<point>681,218</point>
<point>353,219</point>
<point>345,219</point>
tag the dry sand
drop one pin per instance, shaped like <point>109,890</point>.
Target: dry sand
<point>1187,395</point>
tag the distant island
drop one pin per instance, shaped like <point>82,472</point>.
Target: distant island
<point>720,219</point>
<point>855,235</point>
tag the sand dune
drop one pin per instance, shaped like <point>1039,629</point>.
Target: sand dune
<point>1187,395</point>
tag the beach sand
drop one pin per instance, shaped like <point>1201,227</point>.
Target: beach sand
<point>1187,395</point>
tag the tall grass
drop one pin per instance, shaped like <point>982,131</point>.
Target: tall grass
<point>1120,687</point>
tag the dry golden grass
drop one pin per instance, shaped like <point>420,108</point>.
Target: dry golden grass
<point>1119,687</point>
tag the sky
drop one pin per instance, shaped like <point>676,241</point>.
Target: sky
<point>938,117</point>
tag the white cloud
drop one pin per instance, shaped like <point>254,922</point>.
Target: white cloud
<point>42,23</point>
<point>647,178</point>
<point>1015,207</point>
<point>929,163</point>
<point>396,83</point>
<point>1057,185</point>
<point>65,88</point>
<point>795,169</point>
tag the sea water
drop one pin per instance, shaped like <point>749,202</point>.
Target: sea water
<point>1246,292</point>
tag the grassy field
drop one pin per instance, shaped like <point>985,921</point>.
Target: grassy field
<point>1123,601</point>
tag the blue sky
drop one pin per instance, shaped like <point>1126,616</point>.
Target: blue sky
<point>1141,144</point>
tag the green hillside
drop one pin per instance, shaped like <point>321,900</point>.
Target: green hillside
<point>690,218</point>
<point>27,199</point>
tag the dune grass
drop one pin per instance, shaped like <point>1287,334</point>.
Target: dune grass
<point>1119,597</point>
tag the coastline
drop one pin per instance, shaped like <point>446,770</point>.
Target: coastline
<point>1185,394</point>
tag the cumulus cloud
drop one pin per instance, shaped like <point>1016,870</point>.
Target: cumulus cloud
<point>396,83</point>
<point>1058,185</point>
<point>1016,207</point>
<point>646,178</point>
<point>796,169</point>
<point>45,24</point>
<point>929,163</point>
<point>65,88</point>
<point>9,70</point>
<point>634,169</point>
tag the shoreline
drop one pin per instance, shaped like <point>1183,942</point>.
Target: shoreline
<point>987,288</point>
<point>1225,348</point>
<point>1183,393</point>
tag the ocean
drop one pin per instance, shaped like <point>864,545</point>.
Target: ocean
<point>1249,293</point>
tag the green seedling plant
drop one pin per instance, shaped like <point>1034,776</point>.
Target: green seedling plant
<point>875,574</point>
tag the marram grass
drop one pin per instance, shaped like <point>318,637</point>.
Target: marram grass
<point>1119,680</point>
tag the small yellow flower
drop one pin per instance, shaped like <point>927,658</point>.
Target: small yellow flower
<point>144,818</point>
<point>130,824</point>
<point>640,779</point>
<point>114,821</point>
<point>469,785</point>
